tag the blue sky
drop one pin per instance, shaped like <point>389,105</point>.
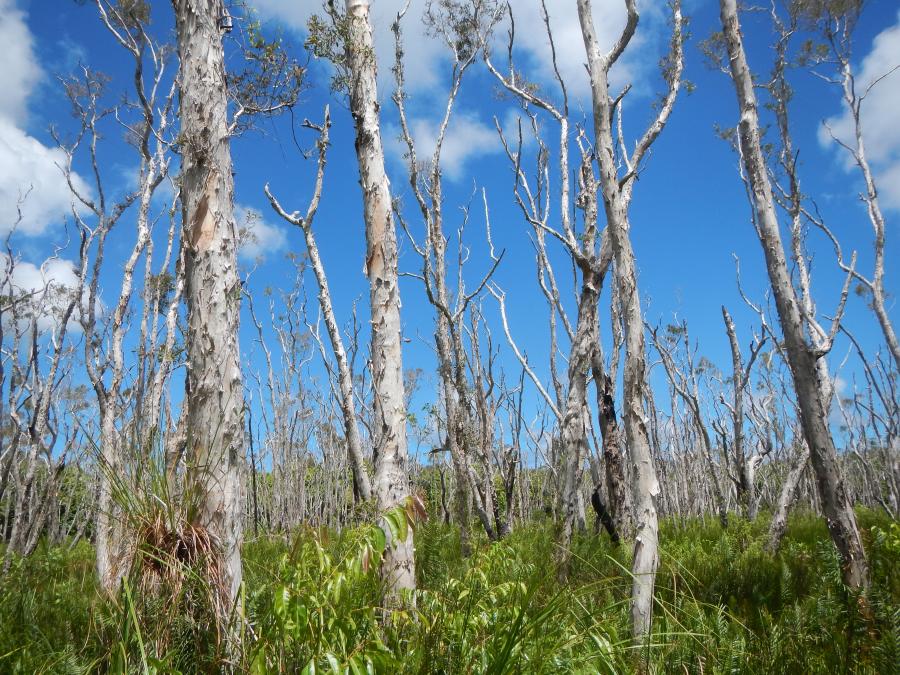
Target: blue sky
<point>689,212</point>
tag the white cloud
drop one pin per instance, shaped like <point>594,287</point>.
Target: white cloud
<point>467,138</point>
<point>424,53</point>
<point>20,72</point>
<point>425,64</point>
<point>609,20</point>
<point>881,132</point>
<point>46,289</point>
<point>420,71</point>
<point>28,169</point>
<point>30,178</point>
<point>256,237</point>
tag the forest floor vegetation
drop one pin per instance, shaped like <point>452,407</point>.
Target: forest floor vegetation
<point>312,604</point>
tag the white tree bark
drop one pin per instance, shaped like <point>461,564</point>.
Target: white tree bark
<point>801,356</point>
<point>214,392</point>
<point>391,479</point>
<point>617,193</point>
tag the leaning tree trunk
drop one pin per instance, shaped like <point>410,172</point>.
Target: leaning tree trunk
<point>786,499</point>
<point>391,480</point>
<point>800,355</point>
<point>214,395</point>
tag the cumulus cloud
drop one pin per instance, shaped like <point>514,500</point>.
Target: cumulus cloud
<point>31,182</point>
<point>881,132</point>
<point>256,237</point>
<point>425,66</point>
<point>425,53</point>
<point>467,138</point>
<point>20,72</point>
<point>44,291</point>
<point>30,176</point>
<point>609,20</point>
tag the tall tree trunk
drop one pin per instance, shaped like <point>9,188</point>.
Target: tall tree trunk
<point>646,486</point>
<point>391,480</point>
<point>800,355</point>
<point>214,396</point>
<point>617,192</point>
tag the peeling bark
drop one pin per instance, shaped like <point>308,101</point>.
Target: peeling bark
<point>214,400</point>
<point>391,480</point>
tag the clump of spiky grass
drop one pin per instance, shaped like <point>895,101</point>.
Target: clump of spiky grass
<point>167,552</point>
<point>174,588</point>
<point>179,587</point>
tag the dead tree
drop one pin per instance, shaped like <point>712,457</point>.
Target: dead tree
<point>38,434</point>
<point>683,378</point>
<point>744,476</point>
<point>361,483</point>
<point>837,25</point>
<point>802,355</point>
<point>591,254</point>
<point>617,190</point>
<point>107,371</point>
<point>465,35</point>
<point>872,420</point>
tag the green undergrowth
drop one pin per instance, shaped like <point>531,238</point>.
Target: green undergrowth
<point>314,605</point>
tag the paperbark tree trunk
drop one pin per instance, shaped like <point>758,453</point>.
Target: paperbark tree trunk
<point>391,480</point>
<point>800,355</point>
<point>214,392</point>
<point>615,201</point>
